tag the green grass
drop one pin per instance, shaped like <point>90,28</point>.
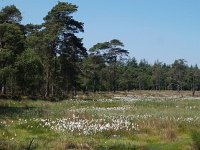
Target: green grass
<point>160,123</point>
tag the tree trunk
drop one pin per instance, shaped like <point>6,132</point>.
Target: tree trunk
<point>193,86</point>
<point>3,88</point>
<point>94,86</point>
<point>47,86</point>
<point>140,87</point>
<point>114,76</point>
<point>52,90</point>
<point>159,84</point>
<point>74,92</point>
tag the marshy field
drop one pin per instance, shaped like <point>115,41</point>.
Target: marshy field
<point>149,121</point>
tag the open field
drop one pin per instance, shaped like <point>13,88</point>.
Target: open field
<point>122,121</point>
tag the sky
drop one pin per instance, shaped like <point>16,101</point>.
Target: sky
<point>162,30</point>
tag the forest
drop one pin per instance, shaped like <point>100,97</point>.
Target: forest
<point>49,60</point>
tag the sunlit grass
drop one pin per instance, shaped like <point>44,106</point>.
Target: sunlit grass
<point>104,123</point>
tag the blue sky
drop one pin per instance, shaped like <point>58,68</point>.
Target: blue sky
<point>150,29</point>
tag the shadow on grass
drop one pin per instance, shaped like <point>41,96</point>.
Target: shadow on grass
<point>6,111</point>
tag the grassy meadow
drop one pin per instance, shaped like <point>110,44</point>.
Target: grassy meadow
<point>120,121</point>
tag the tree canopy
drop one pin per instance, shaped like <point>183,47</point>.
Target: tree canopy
<point>50,60</point>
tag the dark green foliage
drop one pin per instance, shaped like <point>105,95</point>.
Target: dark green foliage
<point>63,46</point>
<point>111,52</point>
<point>11,45</point>
<point>10,14</point>
<point>49,60</point>
<point>29,72</point>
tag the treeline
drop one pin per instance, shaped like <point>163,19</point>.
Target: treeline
<point>49,60</point>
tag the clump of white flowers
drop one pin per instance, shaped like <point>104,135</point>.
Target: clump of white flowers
<point>85,126</point>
